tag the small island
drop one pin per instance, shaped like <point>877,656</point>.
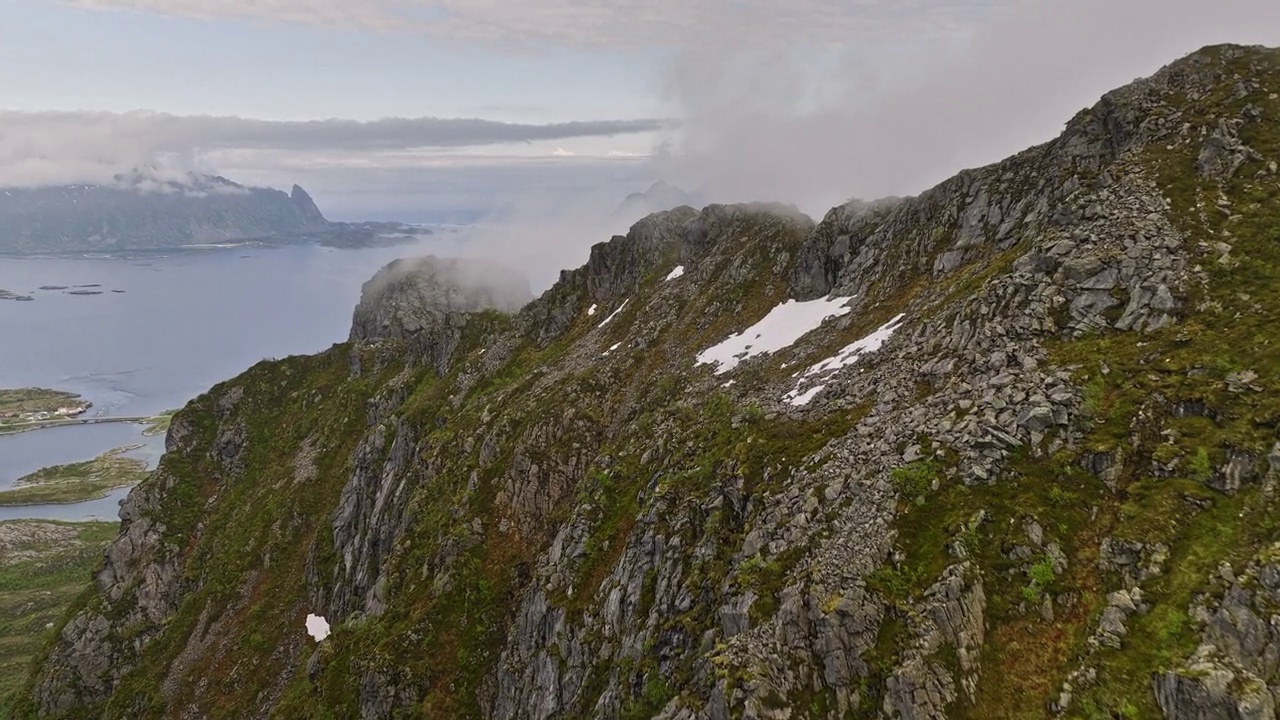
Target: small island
<point>35,406</point>
<point>10,295</point>
<point>76,482</point>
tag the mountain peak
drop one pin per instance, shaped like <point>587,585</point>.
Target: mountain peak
<point>660,196</point>
<point>304,202</point>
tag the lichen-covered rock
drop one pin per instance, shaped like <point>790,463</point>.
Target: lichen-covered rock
<point>1213,688</point>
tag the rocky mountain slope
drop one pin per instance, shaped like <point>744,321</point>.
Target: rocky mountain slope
<point>144,210</point>
<point>1007,449</point>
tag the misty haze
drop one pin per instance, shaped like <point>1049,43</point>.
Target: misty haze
<point>682,360</point>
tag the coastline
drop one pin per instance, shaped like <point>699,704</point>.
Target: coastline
<point>70,422</point>
<point>78,482</point>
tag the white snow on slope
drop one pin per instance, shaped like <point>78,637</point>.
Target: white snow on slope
<point>784,325</point>
<point>317,627</point>
<point>848,355</point>
<point>615,313</point>
<point>804,398</point>
<point>611,349</point>
<point>678,272</point>
<point>591,311</point>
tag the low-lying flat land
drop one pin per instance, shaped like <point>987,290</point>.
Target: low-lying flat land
<point>158,424</point>
<point>76,482</point>
<point>33,405</point>
<point>43,566</point>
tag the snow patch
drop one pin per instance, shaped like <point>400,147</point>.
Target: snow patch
<point>804,398</point>
<point>678,272</point>
<point>591,311</point>
<point>615,312</point>
<point>317,627</point>
<point>612,347</point>
<point>784,325</point>
<point>848,355</point>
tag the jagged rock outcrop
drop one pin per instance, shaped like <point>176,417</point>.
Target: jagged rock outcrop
<point>1235,672</point>
<point>990,477</point>
<point>1212,687</point>
<point>952,618</point>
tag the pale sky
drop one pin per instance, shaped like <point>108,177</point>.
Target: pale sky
<point>439,107</point>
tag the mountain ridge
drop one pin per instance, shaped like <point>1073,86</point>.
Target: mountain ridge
<point>1021,465</point>
<point>148,209</point>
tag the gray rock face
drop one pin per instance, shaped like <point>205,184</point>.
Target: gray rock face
<point>1213,688</point>
<point>138,588</point>
<point>1235,673</point>
<point>953,616</point>
<point>1223,153</point>
<point>615,268</point>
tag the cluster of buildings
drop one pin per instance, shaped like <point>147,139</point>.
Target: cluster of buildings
<point>69,411</point>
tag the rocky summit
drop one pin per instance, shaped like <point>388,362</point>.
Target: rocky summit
<point>1007,449</point>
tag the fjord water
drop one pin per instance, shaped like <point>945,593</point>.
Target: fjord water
<point>184,322</point>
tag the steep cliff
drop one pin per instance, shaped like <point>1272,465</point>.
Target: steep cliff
<point>1006,449</point>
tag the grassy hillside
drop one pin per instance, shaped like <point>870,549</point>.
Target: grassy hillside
<point>1026,471</point>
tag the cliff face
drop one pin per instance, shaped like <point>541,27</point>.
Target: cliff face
<point>1014,455</point>
<point>140,211</point>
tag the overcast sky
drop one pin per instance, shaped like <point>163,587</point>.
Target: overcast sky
<point>422,109</point>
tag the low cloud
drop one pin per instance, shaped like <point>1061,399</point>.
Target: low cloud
<point>523,192</point>
<point>585,23</point>
<point>810,102</point>
<point>42,148</point>
<point>820,125</point>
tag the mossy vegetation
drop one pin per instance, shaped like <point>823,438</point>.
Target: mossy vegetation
<point>1167,411</point>
<point>915,479</point>
<point>260,529</point>
<point>43,566</point>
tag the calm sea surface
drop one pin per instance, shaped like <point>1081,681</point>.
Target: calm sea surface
<point>182,323</point>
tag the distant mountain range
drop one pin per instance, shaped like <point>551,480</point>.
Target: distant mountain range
<point>146,209</point>
<point>659,197</point>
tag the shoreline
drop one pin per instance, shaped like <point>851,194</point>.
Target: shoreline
<point>18,428</point>
<point>78,482</point>
<point>64,503</point>
<point>161,251</point>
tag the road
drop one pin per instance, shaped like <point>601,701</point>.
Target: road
<point>42,424</point>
